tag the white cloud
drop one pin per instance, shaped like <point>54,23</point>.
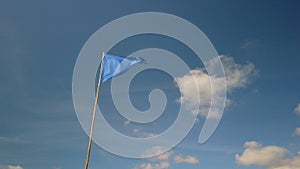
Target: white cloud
<point>158,150</point>
<point>143,134</point>
<point>164,156</point>
<point>187,87</point>
<point>14,167</point>
<point>156,162</point>
<point>160,165</point>
<point>297,109</point>
<point>237,76</point>
<point>163,161</point>
<point>258,155</point>
<point>252,144</point>
<point>126,122</point>
<point>189,159</point>
<point>293,163</point>
<point>297,132</point>
<point>272,157</point>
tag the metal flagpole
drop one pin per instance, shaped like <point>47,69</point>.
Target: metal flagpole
<point>94,115</point>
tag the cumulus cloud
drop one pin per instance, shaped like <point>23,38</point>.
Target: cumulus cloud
<point>189,159</point>
<point>272,157</point>
<point>195,80</point>
<point>297,109</point>
<point>258,155</point>
<point>197,83</point>
<point>297,132</point>
<point>187,87</point>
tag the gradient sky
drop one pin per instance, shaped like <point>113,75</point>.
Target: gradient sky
<point>39,45</point>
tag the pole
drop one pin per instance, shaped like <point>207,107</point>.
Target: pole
<point>94,115</point>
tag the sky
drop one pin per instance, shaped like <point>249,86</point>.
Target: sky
<point>258,43</point>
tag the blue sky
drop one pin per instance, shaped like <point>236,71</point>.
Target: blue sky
<point>39,45</point>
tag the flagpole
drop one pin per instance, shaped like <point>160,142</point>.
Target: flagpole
<point>94,115</point>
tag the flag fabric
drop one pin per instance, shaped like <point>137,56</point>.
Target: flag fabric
<point>116,65</point>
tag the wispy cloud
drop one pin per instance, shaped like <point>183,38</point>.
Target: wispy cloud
<point>297,109</point>
<point>163,156</point>
<point>10,167</point>
<point>157,150</point>
<point>237,75</point>
<point>143,134</point>
<point>272,157</point>
<point>160,165</point>
<point>248,44</point>
<point>126,122</point>
<point>14,167</point>
<point>297,132</point>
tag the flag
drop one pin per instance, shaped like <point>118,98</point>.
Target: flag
<point>116,65</point>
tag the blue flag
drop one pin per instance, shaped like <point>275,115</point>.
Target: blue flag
<point>115,65</point>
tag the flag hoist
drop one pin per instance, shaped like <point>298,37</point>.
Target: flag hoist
<point>110,66</point>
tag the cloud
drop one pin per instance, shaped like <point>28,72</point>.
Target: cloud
<point>187,87</point>
<point>248,44</point>
<point>158,150</point>
<point>156,162</point>
<point>297,132</point>
<point>163,161</point>
<point>164,156</point>
<point>143,134</point>
<point>14,167</point>
<point>237,76</point>
<point>197,84</point>
<point>297,109</point>
<point>126,122</point>
<point>160,165</point>
<point>189,159</point>
<point>272,157</point>
<point>255,154</point>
